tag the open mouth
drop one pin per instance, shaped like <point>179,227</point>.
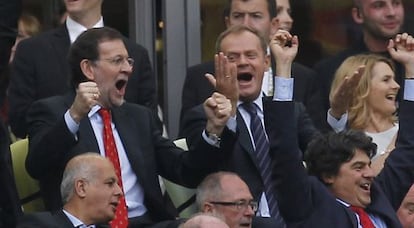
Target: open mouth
<point>244,77</point>
<point>120,84</point>
<point>366,186</point>
<point>245,224</point>
<point>114,204</point>
<point>391,97</point>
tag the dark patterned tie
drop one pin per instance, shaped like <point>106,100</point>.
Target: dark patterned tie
<point>263,159</point>
<point>121,215</point>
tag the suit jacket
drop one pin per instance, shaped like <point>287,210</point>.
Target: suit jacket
<point>57,219</point>
<point>52,145</point>
<point>10,207</point>
<point>41,69</point>
<point>9,14</point>
<point>242,160</point>
<point>306,202</point>
<point>197,89</point>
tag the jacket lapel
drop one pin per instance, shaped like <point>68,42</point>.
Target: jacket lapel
<point>244,137</point>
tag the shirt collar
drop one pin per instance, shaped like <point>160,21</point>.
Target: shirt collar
<point>75,29</point>
<point>75,221</point>
<point>258,102</point>
<point>94,110</point>
<point>343,202</point>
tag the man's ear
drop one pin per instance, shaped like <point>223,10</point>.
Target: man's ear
<point>357,16</point>
<point>87,68</point>
<point>208,208</point>
<point>328,179</point>
<point>80,188</point>
<point>274,26</point>
<point>227,21</point>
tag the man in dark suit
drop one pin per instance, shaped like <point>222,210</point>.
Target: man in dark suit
<point>9,201</point>
<point>64,126</point>
<point>90,193</point>
<point>40,67</point>
<point>242,55</point>
<point>260,15</point>
<point>340,189</point>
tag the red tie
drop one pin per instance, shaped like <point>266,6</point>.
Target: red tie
<point>363,217</point>
<point>121,216</point>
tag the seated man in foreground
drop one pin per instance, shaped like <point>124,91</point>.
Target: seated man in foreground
<point>225,195</point>
<point>90,194</point>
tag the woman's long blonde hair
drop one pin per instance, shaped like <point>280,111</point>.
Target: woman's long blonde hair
<point>358,110</point>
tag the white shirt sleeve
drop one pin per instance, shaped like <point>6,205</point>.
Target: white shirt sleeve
<point>283,89</point>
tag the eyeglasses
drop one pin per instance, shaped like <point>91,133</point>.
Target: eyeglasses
<point>239,205</point>
<point>119,60</point>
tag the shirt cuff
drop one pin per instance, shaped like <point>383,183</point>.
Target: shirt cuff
<point>71,124</point>
<point>232,124</point>
<point>409,90</point>
<point>283,89</point>
<point>337,125</point>
<point>211,141</point>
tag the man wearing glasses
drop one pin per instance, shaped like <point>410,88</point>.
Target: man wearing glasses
<point>227,196</point>
<point>95,117</point>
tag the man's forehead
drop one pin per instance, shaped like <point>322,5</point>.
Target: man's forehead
<point>249,6</point>
<point>232,42</point>
<point>112,46</point>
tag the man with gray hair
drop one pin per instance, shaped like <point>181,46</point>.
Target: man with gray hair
<point>90,195</point>
<point>225,195</point>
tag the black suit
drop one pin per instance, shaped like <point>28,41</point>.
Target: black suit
<point>9,201</point>
<point>197,89</point>
<point>48,220</point>
<point>40,70</point>
<point>243,158</point>
<point>306,202</point>
<point>150,155</point>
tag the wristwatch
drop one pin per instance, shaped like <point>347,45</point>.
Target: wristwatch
<point>214,138</point>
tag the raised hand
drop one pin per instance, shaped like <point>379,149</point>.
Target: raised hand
<point>225,79</point>
<point>218,110</point>
<point>284,48</point>
<point>401,48</point>
<point>341,98</point>
<point>87,96</point>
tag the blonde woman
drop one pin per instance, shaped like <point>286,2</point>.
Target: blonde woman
<point>372,106</point>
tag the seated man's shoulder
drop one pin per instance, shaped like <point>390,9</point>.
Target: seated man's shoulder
<point>38,219</point>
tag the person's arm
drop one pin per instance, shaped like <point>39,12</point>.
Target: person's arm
<point>397,177</point>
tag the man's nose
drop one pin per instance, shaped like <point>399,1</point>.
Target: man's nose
<point>247,20</point>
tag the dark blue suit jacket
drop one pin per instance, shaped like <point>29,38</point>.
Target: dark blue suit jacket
<point>306,202</point>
